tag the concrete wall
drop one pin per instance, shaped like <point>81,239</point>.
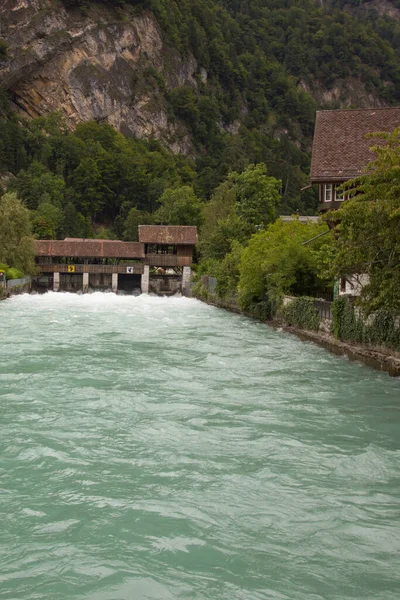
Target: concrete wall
<point>100,281</point>
<point>19,286</point>
<point>186,277</point>
<point>353,285</point>
<point>145,282</point>
<point>210,283</point>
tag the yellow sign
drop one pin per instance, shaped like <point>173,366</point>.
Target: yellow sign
<point>71,268</point>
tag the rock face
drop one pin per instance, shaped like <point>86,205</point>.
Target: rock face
<point>112,65</point>
<point>345,93</point>
<point>101,66</point>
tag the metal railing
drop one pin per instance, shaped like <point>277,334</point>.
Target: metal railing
<point>15,283</point>
<point>324,308</point>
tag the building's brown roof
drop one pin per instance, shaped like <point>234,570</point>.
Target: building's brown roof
<point>86,248</point>
<point>178,235</point>
<point>340,149</point>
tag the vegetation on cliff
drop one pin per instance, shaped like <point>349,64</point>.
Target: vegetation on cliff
<point>75,182</point>
<point>263,67</point>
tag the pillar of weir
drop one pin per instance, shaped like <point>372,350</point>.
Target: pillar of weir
<point>85,283</point>
<point>186,275</point>
<point>114,283</point>
<point>56,282</point>
<point>145,280</point>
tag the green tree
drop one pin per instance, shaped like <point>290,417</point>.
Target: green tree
<point>36,184</point>
<point>179,206</point>
<point>227,271</point>
<point>16,240</point>
<point>133,220</point>
<point>47,220</point>
<point>368,241</point>
<point>258,196</point>
<point>221,225</point>
<point>74,223</point>
<point>277,262</point>
<point>92,191</point>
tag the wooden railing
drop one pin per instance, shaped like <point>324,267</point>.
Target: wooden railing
<point>167,260</point>
<point>136,269</point>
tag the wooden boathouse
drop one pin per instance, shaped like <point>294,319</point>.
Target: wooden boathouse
<point>76,264</point>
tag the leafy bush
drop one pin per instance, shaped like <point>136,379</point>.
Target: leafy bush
<point>381,329</point>
<point>11,273</point>
<point>302,313</point>
<point>200,291</point>
<point>345,323</point>
<point>264,310</point>
<point>14,274</point>
<point>277,262</point>
<point>384,330</point>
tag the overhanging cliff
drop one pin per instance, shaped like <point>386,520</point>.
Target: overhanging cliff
<point>98,65</point>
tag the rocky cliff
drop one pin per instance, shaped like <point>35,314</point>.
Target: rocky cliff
<point>99,65</point>
<point>113,65</point>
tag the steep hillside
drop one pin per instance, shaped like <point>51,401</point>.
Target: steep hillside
<point>226,83</point>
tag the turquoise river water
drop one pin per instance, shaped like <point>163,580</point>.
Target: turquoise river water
<point>155,448</point>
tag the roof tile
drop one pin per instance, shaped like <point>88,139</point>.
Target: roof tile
<point>168,234</point>
<point>340,149</point>
<point>89,248</point>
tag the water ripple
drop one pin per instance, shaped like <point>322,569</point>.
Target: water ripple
<point>155,448</point>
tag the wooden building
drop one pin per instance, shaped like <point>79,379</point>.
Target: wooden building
<point>79,264</point>
<point>341,150</point>
<point>168,245</point>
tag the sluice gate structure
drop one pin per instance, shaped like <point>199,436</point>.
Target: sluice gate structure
<point>160,262</point>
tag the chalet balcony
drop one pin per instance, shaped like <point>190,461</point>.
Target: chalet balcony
<point>167,260</point>
<point>333,205</point>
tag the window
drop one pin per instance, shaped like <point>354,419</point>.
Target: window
<point>328,192</point>
<point>339,193</point>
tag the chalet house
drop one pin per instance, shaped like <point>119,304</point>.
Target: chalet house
<point>341,150</point>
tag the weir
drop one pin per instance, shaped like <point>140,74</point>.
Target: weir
<point>160,262</point>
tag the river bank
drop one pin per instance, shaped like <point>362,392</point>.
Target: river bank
<point>378,358</point>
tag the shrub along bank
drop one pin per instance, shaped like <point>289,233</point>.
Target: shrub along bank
<point>302,313</point>
<point>380,329</point>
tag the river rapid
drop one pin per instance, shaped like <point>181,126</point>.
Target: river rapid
<point>160,449</point>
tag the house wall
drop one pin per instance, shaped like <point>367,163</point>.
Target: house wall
<point>353,285</point>
<point>332,204</point>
